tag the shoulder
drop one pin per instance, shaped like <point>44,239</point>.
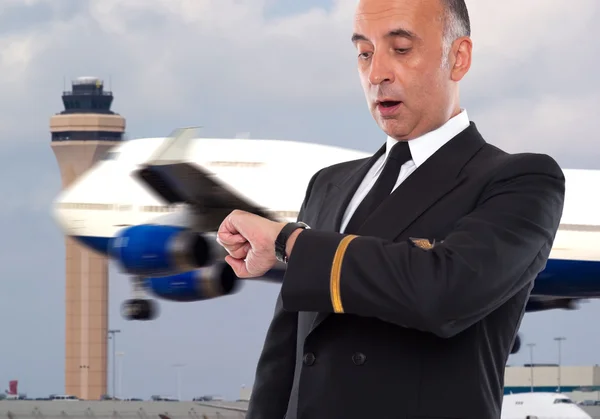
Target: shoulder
<point>532,174</point>
<point>492,162</point>
<point>509,165</point>
<point>336,173</point>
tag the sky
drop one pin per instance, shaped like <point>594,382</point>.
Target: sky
<point>275,69</point>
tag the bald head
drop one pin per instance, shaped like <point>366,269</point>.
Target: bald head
<point>411,56</point>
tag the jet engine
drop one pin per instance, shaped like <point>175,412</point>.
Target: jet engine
<point>201,284</point>
<point>154,250</point>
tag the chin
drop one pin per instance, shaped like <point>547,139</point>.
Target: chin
<point>393,128</point>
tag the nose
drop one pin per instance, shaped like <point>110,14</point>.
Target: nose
<point>381,69</point>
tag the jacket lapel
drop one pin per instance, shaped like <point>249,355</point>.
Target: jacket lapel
<point>438,176</point>
<point>339,195</point>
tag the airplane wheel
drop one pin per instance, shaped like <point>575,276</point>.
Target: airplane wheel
<point>139,309</point>
<point>151,311</point>
<point>131,309</point>
<point>516,346</point>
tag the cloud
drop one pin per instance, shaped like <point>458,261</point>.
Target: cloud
<point>531,83</point>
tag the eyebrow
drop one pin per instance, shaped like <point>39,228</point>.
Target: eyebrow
<point>396,33</point>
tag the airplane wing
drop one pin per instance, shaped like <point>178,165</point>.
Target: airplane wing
<point>178,181</point>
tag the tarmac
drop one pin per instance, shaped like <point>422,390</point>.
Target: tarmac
<point>25,409</point>
<point>593,411</point>
<point>30,409</point>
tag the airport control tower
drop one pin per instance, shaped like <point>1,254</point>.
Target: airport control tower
<point>81,135</point>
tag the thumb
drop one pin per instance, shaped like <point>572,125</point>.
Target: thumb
<point>238,266</point>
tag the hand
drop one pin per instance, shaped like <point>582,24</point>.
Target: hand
<point>250,241</point>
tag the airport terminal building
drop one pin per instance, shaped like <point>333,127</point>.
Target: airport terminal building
<point>580,382</point>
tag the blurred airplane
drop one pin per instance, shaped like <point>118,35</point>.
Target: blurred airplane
<point>154,205</point>
<point>540,406</point>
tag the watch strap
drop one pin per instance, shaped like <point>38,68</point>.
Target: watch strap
<point>282,239</point>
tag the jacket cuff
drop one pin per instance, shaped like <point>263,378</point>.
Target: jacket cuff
<point>313,275</point>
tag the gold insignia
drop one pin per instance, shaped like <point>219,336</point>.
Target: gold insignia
<point>424,244</point>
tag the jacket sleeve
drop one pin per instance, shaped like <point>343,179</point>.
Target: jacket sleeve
<point>492,253</point>
<point>277,362</point>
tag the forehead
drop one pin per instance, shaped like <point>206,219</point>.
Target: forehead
<point>417,16</point>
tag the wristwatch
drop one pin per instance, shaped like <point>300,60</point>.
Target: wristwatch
<point>282,238</point>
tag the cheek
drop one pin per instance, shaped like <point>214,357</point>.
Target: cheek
<point>364,80</point>
<point>421,78</point>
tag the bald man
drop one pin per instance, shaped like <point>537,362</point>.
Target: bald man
<point>407,281</point>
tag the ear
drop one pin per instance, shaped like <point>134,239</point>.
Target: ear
<point>462,51</point>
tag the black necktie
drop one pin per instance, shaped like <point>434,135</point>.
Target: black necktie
<point>398,155</point>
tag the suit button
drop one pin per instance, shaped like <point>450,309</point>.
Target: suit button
<point>309,359</point>
<point>359,358</point>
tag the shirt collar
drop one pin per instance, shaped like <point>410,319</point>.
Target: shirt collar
<point>423,147</point>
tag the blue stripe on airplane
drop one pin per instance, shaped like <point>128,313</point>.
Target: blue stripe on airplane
<point>561,278</point>
<point>541,389</point>
<point>569,278</point>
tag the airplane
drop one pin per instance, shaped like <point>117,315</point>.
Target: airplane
<point>123,204</point>
<point>540,406</point>
<point>154,205</point>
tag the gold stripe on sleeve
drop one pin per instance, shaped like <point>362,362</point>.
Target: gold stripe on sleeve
<point>336,270</point>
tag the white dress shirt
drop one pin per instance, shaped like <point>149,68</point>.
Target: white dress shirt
<point>421,148</point>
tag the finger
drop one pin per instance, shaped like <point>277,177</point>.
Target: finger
<point>238,266</point>
<point>239,251</point>
<point>238,221</point>
<point>232,246</point>
<point>228,239</point>
<point>227,228</point>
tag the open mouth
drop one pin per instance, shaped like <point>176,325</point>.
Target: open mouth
<point>389,103</point>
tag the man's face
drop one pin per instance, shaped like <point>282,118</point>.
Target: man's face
<point>400,60</point>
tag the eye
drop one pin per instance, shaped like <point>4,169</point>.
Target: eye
<point>402,50</point>
<point>364,55</point>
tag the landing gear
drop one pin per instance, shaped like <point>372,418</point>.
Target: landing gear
<point>516,346</point>
<point>139,308</point>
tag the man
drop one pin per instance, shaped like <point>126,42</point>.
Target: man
<point>404,297</point>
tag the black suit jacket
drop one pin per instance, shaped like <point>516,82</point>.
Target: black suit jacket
<point>415,316</point>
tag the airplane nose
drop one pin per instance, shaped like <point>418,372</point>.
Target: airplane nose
<point>62,212</point>
<point>58,213</point>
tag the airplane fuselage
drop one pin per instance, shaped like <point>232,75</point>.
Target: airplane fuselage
<point>541,406</point>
